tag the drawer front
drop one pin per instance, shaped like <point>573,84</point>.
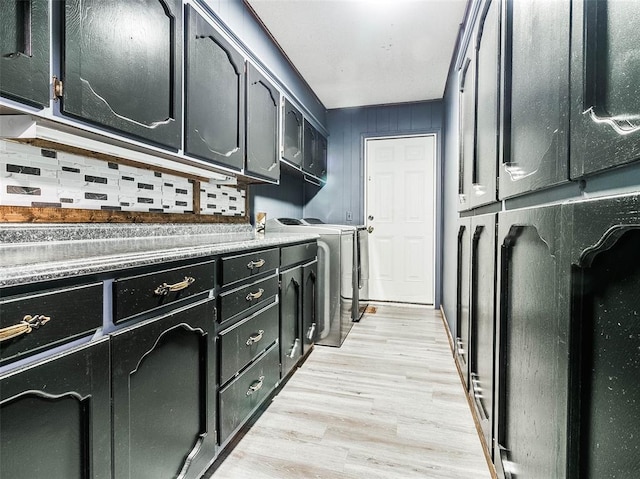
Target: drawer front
<point>247,299</point>
<point>72,312</point>
<point>241,267</point>
<point>299,253</point>
<point>145,292</point>
<point>242,343</point>
<point>243,395</point>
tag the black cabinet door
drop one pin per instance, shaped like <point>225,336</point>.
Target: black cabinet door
<point>531,427</point>
<point>485,161</point>
<point>604,245</point>
<point>309,306</point>
<point>263,102</point>
<point>290,319</point>
<point>467,118</point>
<point>163,380</point>
<point>320,164</point>
<point>309,148</point>
<point>482,313</point>
<point>214,125</point>
<point>123,66</point>
<point>462,297</point>
<point>292,135</point>
<point>536,100</point>
<point>605,86</point>
<point>58,411</point>
<point>24,51</point>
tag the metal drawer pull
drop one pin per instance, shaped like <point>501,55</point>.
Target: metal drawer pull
<point>254,338</point>
<point>28,324</point>
<point>257,295</point>
<point>312,331</point>
<point>255,386</point>
<point>165,288</point>
<point>256,264</point>
<point>294,349</point>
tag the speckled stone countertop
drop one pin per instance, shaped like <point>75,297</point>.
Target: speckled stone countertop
<point>37,253</point>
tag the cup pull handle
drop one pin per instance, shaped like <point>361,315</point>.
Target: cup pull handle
<point>256,295</point>
<point>254,338</point>
<point>255,386</point>
<point>29,323</point>
<point>165,288</point>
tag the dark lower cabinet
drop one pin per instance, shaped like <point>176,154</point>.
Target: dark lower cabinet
<point>263,105</point>
<point>536,100</point>
<point>605,85</point>
<point>462,297</point>
<point>290,319</point>
<point>214,125</point>
<point>482,319</point>
<point>309,306</point>
<point>55,417</point>
<point>531,427</point>
<point>604,248</point>
<point>122,66</point>
<point>164,407</point>
<point>24,51</point>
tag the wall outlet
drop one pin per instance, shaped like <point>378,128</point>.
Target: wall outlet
<point>349,216</point>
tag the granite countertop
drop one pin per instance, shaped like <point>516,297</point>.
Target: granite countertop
<point>36,253</point>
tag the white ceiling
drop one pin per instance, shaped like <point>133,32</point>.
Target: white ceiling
<point>367,52</point>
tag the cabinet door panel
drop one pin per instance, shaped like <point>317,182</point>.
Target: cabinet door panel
<point>320,165</point>
<point>467,89</point>
<point>215,95</point>
<point>122,66</point>
<point>533,385</point>
<point>290,319</point>
<point>24,51</point>
<point>58,409</point>
<point>292,137</point>
<point>487,78</point>
<point>163,373</point>
<point>462,302</point>
<point>482,312</point>
<point>310,147</point>
<point>536,96</point>
<point>605,85</point>
<point>263,102</point>
<point>309,306</point>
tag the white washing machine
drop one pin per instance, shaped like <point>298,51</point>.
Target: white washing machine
<point>335,276</point>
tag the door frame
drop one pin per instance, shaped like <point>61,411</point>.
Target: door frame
<point>437,192</point>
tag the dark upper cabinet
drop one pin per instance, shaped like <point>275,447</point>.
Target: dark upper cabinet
<point>123,66</point>
<point>263,101</point>
<point>485,160</point>
<point>163,383</point>
<point>314,151</point>
<point>482,323</point>
<point>466,124</point>
<point>602,242</point>
<point>58,409</point>
<point>292,134</point>
<point>462,297</point>
<point>24,51</point>
<point>605,85</point>
<point>214,121</point>
<point>532,364</point>
<point>536,100</point>
<point>320,170</point>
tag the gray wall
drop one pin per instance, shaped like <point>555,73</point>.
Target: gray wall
<point>278,201</point>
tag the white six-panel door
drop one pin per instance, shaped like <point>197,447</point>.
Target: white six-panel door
<point>400,213</point>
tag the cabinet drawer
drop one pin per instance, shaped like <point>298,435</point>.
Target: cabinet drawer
<point>298,253</point>
<point>240,267</point>
<point>244,394</point>
<point>248,299</point>
<point>240,344</point>
<point>71,313</point>
<point>145,292</point>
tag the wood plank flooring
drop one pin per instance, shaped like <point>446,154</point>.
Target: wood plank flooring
<point>387,404</point>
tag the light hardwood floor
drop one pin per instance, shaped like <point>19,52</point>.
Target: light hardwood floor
<point>388,404</point>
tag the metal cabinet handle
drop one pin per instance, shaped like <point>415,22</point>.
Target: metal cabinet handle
<point>28,324</point>
<point>294,349</point>
<point>254,338</point>
<point>255,386</point>
<point>256,295</point>
<point>165,288</point>
<point>311,333</point>
<point>256,264</point>
<point>460,347</point>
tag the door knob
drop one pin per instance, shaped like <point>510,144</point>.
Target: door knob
<point>370,229</point>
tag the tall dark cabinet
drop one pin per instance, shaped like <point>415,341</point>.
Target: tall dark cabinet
<point>263,105</point>
<point>58,409</point>
<point>467,119</point>
<point>536,96</point>
<point>215,83</point>
<point>122,66</point>
<point>24,51</point>
<point>462,297</point>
